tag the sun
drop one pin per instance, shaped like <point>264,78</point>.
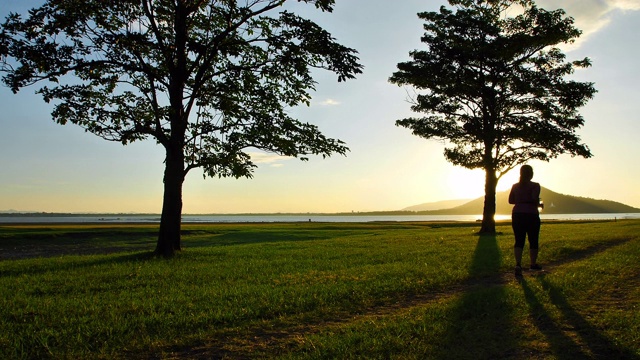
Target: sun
<point>469,184</point>
<point>464,183</point>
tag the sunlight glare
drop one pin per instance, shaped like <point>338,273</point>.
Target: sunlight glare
<point>465,183</point>
<point>508,180</point>
<point>469,184</point>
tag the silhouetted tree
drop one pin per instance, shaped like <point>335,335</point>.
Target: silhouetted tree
<point>205,79</point>
<point>494,86</point>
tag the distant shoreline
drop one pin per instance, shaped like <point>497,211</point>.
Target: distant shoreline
<point>363,213</point>
<point>151,219</point>
<point>555,204</point>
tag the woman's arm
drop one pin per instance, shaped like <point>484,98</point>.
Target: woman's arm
<point>512,199</point>
<point>536,192</point>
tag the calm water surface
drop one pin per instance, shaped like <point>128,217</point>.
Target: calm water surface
<point>126,218</point>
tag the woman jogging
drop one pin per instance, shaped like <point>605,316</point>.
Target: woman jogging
<point>525,195</point>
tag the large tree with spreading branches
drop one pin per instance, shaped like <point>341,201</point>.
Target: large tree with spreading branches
<point>494,85</point>
<point>208,80</point>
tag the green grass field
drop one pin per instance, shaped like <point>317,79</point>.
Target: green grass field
<point>319,291</point>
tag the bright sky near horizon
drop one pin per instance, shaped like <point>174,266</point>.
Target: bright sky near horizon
<point>53,168</point>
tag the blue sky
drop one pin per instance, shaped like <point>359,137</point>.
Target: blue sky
<point>49,167</point>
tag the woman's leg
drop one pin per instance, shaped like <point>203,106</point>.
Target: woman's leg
<point>533,256</point>
<point>534,235</point>
<point>520,232</point>
<point>517,252</point>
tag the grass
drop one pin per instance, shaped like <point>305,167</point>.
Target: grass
<point>319,291</point>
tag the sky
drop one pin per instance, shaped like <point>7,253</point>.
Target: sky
<point>53,168</point>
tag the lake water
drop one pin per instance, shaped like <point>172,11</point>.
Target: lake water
<point>126,218</point>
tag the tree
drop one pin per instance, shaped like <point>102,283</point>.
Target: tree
<point>495,87</point>
<point>206,79</point>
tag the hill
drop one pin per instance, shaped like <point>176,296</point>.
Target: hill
<point>439,205</point>
<point>555,203</point>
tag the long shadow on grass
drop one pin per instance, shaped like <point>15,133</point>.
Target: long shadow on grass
<point>267,233</point>
<point>575,338</point>
<point>51,243</point>
<point>81,263</point>
<point>25,246</point>
<point>255,237</point>
<point>481,321</point>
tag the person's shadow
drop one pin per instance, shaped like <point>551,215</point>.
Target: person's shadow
<point>575,338</point>
<point>485,324</point>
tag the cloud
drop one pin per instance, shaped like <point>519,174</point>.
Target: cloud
<point>626,4</point>
<point>273,160</point>
<point>329,102</point>
<point>591,16</point>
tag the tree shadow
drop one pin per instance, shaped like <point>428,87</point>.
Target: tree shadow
<point>45,267</point>
<point>254,237</point>
<point>43,244</point>
<point>481,322</point>
<point>124,246</point>
<point>487,258</point>
<point>575,338</point>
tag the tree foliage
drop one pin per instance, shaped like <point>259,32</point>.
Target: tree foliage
<point>206,79</point>
<point>493,83</point>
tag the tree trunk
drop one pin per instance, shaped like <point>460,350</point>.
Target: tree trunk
<point>174,171</point>
<point>170,221</point>
<point>489,210</point>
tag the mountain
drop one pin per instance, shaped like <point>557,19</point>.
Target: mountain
<point>554,203</point>
<point>439,205</point>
